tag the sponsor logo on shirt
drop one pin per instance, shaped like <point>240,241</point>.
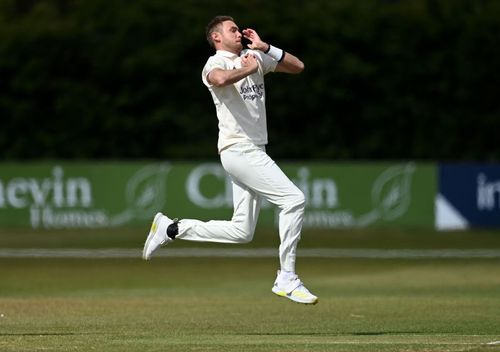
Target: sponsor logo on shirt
<point>255,91</point>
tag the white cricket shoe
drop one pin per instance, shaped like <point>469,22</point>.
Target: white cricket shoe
<point>292,288</point>
<point>157,235</point>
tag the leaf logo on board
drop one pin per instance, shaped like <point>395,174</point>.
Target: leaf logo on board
<point>391,194</point>
<point>145,194</point>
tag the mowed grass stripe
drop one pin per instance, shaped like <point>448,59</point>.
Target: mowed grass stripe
<point>399,340</point>
<point>252,253</point>
<point>250,343</point>
<point>226,304</point>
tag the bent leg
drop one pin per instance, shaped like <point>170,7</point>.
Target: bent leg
<point>239,230</point>
<point>251,166</point>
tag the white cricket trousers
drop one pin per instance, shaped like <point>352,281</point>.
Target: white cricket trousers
<point>255,176</point>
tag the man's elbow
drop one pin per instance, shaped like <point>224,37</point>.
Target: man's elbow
<point>218,81</point>
<point>298,67</point>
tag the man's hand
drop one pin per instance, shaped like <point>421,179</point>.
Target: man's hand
<point>221,78</point>
<point>250,61</point>
<point>290,63</point>
<point>255,42</point>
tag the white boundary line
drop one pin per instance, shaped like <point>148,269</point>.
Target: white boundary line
<point>252,253</point>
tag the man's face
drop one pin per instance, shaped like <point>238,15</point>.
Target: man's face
<point>229,37</point>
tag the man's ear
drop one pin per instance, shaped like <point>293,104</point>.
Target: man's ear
<point>216,37</point>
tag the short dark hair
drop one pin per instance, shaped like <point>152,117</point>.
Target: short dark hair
<point>214,26</point>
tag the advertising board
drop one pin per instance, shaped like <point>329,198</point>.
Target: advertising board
<point>110,194</point>
<point>468,196</point>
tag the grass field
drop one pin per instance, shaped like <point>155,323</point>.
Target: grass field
<point>225,304</point>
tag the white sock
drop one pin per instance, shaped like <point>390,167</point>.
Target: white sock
<point>286,275</point>
<point>287,281</point>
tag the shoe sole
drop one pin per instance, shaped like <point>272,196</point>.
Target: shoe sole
<point>152,232</point>
<point>292,298</point>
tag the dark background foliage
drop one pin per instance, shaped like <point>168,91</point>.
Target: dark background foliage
<point>97,79</point>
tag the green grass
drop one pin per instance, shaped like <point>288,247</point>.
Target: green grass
<point>264,237</point>
<point>225,304</point>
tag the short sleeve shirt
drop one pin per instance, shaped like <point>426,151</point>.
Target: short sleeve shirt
<point>240,107</point>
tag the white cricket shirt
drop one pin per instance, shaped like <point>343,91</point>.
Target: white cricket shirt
<point>240,107</point>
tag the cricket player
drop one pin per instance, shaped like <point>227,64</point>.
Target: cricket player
<point>235,78</point>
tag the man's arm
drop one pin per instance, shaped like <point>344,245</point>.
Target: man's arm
<point>288,64</point>
<point>220,78</point>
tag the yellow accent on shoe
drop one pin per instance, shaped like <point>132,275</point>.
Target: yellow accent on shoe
<point>302,295</point>
<point>280,293</point>
<point>154,226</point>
<point>298,295</point>
<point>155,239</point>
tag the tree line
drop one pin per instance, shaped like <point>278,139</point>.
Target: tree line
<point>91,79</point>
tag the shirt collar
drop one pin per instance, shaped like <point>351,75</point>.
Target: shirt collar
<point>227,54</point>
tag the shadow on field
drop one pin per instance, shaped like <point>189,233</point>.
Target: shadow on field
<point>49,334</point>
<point>375,333</point>
<point>371,333</point>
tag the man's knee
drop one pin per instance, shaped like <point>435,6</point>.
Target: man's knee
<point>242,233</point>
<point>245,236</point>
<point>295,200</point>
<point>298,200</point>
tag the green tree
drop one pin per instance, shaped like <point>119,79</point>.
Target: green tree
<point>121,79</point>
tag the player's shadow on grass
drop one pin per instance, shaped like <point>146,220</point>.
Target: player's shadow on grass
<point>47,333</point>
<point>367,333</point>
<point>381,333</point>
